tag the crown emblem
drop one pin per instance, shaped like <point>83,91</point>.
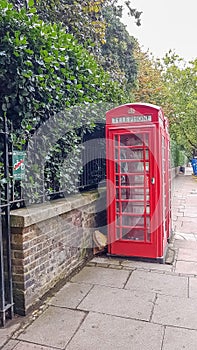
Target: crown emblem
<point>131,111</point>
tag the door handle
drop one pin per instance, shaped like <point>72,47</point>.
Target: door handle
<point>152,180</point>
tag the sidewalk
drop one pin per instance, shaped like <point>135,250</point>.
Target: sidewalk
<point>124,305</point>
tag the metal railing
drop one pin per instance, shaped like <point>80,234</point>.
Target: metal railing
<point>93,166</point>
<point>6,292</point>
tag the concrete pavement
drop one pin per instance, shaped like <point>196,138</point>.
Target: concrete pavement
<point>120,304</point>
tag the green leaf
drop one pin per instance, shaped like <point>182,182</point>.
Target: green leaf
<point>31,3</point>
<point>4,107</point>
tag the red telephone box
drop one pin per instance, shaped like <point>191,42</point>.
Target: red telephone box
<point>138,174</point>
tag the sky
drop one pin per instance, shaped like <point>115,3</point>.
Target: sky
<point>165,25</point>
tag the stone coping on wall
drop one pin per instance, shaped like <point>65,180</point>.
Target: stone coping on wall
<point>39,212</point>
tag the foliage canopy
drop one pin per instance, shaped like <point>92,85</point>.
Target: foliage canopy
<point>171,84</point>
<point>180,82</point>
<point>43,71</point>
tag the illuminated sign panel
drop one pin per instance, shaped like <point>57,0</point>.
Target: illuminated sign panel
<point>132,119</point>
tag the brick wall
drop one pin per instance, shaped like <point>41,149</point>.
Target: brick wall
<point>49,242</point>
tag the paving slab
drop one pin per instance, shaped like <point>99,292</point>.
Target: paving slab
<point>178,226</point>
<point>192,287</point>
<point>145,281</point>
<point>179,339</point>
<point>119,302</point>
<point>190,220</point>
<point>104,332</point>
<point>102,276</point>
<point>191,202</point>
<point>187,254</point>
<point>190,237</point>
<point>146,265</point>
<point>190,212</point>
<point>186,267</point>
<point>54,327</point>
<point>185,244</point>
<point>30,346</point>
<point>179,214</point>
<point>188,227</point>
<point>106,260</point>
<point>6,333</point>
<point>174,219</point>
<point>174,311</point>
<point>10,345</point>
<point>70,295</point>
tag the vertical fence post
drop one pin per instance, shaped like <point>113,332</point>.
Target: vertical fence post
<point>6,283</point>
<point>2,282</point>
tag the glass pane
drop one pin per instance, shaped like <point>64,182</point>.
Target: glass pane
<point>134,234</point>
<point>117,207</point>
<point>125,193</point>
<point>138,193</point>
<point>147,154</point>
<point>132,193</point>
<point>147,209</point>
<point>132,180</point>
<point>137,209</point>
<point>146,139</point>
<point>128,220</point>
<point>118,233</point>
<point>125,220</point>
<point>125,206</point>
<point>116,140</point>
<point>138,139</point>
<point>138,179</point>
<point>135,167</point>
<point>132,186</point>
<point>124,180</point>
<point>147,221</point>
<point>131,153</point>
<point>118,222</point>
<point>116,153</point>
<point>125,232</point>
<point>147,166</point>
<point>135,154</point>
<point>131,140</point>
<point>117,167</point>
<point>123,166</point>
<point>117,193</point>
<point>148,235</point>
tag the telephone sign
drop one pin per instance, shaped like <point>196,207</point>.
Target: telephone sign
<point>133,119</point>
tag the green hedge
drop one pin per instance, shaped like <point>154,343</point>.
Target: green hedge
<point>45,72</point>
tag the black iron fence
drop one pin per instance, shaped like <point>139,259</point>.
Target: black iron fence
<point>90,172</point>
<point>93,158</point>
<point>6,294</point>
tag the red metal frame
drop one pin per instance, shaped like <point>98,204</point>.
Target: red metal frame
<point>138,196</point>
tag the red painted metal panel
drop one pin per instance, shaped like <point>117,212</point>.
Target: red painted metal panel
<point>138,181</point>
